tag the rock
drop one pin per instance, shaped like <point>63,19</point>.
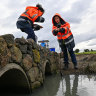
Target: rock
<point>27,62</point>
<point>92,67</point>
<point>5,54</point>
<point>29,47</point>
<point>36,70</point>
<point>32,58</point>
<point>16,54</point>
<point>29,51</point>
<point>33,44</point>
<point>21,41</point>
<point>9,38</point>
<point>40,80</point>
<point>33,74</point>
<point>34,64</point>
<point>36,56</point>
<point>54,61</point>
<point>92,57</point>
<point>23,48</point>
<point>36,85</point>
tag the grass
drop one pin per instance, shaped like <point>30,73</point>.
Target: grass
<point>90,52</point>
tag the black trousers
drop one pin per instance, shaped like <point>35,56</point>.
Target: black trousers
<point>65,53</point>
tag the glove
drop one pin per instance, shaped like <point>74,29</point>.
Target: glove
<point>42,19</point>
<point>55,32</point>
<point>62,30</point>
<point>58,25</point>
<point>37,27</point>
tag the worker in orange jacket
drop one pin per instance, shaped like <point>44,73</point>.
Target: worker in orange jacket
<point>26,20</point>
<point>61,29</point>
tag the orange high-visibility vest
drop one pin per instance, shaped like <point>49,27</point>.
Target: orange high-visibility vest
<point>32,13</point>
<point>66,26</point>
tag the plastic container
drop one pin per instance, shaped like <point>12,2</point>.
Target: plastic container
<point>52,49</point>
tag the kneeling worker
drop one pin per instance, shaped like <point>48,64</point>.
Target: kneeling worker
<point>26,20</point>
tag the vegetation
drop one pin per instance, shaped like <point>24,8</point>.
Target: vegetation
<point>77,51</point>
<point>86,51</point>
<point>90,52</point>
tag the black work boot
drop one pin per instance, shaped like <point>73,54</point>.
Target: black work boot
<point>66,66</point>
<point>75,66</point>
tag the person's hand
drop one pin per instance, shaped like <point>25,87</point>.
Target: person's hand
<point>62,30</point>
<point>57,30</point>
<point>37,27</point>
<point>42,19</point>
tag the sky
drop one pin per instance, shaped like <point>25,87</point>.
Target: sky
<point>81,14</point>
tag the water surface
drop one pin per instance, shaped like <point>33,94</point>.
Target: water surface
<point>68,85</point>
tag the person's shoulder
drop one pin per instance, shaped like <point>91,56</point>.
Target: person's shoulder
<point>29,7</point>
<point>67,23</point>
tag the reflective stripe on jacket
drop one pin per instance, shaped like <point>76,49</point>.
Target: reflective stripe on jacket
<point>67,36</point>
<point>64,25</point>
<point>32,13</point>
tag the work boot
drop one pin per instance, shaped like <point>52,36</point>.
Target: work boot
<point>75,66</point>
<point>66,66</point>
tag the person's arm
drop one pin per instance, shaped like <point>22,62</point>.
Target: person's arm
<point>62,30</point>
<point>65,28</point>
<point>37,27</point>
<point>55,30</point>
<point>40,19</point>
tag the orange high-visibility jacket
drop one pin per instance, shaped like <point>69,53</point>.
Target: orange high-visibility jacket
<point>66,26</point>
<point>32,13</point>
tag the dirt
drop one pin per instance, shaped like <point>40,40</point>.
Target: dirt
<point>85,63</point>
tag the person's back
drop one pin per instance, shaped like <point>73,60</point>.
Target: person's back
<point>26,20</point>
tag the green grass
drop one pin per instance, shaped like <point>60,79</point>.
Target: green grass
<point>90,52</point>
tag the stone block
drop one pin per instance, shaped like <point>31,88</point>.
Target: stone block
<point>27,62</point>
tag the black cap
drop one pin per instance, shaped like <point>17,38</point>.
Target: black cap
<point>40,7</point>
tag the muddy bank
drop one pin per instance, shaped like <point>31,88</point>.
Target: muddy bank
<point>86,64</point>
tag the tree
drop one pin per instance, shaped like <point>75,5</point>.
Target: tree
<point>86,50</point>
<point>92,50</point>
<point>77,51</point>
